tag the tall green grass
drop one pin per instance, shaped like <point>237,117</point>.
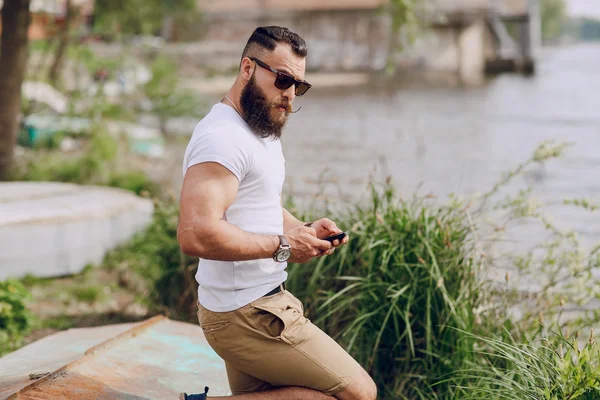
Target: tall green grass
<point>400,294</point>
<point>550,368</point>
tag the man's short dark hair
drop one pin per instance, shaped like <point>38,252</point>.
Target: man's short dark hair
<point>266,38</point>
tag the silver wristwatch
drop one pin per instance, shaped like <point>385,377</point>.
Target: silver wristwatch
<point>284,252</point>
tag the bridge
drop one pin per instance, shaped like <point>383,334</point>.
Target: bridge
<point>513,28</point>
<point>467,37</point>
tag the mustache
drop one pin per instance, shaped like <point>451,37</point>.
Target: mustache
<point>287,106</point>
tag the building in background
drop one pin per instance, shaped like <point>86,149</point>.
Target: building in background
<point>49,15</point>
<point>463,37</point>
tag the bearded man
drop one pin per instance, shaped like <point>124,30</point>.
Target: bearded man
<point>232,218</point>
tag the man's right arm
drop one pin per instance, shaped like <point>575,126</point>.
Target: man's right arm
<point>208,191</point>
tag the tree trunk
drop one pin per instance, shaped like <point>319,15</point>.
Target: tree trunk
<point>62,44</point>
<point>13,61</point>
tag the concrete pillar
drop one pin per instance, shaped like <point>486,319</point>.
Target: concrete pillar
<point>535,27</point>
<point>471,52</point>
<point>525,41</point>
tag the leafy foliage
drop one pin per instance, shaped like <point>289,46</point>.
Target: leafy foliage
<point>15,319</point>
<point>155,255</point>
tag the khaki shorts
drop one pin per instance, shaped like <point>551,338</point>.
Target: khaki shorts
<point>269,343</point>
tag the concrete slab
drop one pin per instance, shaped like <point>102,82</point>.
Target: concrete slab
<point>53,229</point>
<point>49,354</point>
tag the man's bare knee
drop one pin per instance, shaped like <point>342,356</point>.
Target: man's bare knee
<point>361,388</point>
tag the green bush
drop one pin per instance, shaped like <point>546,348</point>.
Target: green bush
<point>135,181</point>
<point>88,294</point>
<point>100,163</point>
<point>88,167</point>
<point>15,319</point>
<point>168,274</point>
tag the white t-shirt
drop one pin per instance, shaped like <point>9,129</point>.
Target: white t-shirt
<point>225,138</point>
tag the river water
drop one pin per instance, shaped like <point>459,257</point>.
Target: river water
<point>456,139</point>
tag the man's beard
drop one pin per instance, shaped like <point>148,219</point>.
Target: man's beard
<point>257,111</point>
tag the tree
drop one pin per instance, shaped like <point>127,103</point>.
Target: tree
<point>553,16</point>
<point>167,100</point>
<point>145,17</point>
<point>13,61</point>
<point>405,19</point>
<point>62,43</point>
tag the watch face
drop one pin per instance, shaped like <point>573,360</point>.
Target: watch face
<point>283,255</point>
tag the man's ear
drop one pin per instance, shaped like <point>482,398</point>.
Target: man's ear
<point>247,68</point>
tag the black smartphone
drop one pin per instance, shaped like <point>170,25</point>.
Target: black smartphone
<point>337,236</point>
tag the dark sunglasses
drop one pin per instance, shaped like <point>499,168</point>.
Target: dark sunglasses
<point>283,81</point>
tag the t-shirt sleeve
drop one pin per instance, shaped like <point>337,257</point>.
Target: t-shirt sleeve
<point>225,145</point>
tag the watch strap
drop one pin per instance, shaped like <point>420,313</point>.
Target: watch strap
<point>283,241</point>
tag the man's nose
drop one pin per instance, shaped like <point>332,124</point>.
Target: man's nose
<point>290,93</point>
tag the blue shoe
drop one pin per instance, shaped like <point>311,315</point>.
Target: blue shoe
<point>185,396</point>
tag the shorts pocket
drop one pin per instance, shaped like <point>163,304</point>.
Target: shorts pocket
<point>215,326</point>
<point>275,321</point>
<point>269,320</point>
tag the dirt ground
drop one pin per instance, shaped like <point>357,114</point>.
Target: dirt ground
<point>97,296</point>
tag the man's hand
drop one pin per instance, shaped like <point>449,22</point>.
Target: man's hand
<point>305,245</point>
<point>326,227</point>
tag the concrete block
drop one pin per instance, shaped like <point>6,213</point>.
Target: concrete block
<point>53,229</point>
